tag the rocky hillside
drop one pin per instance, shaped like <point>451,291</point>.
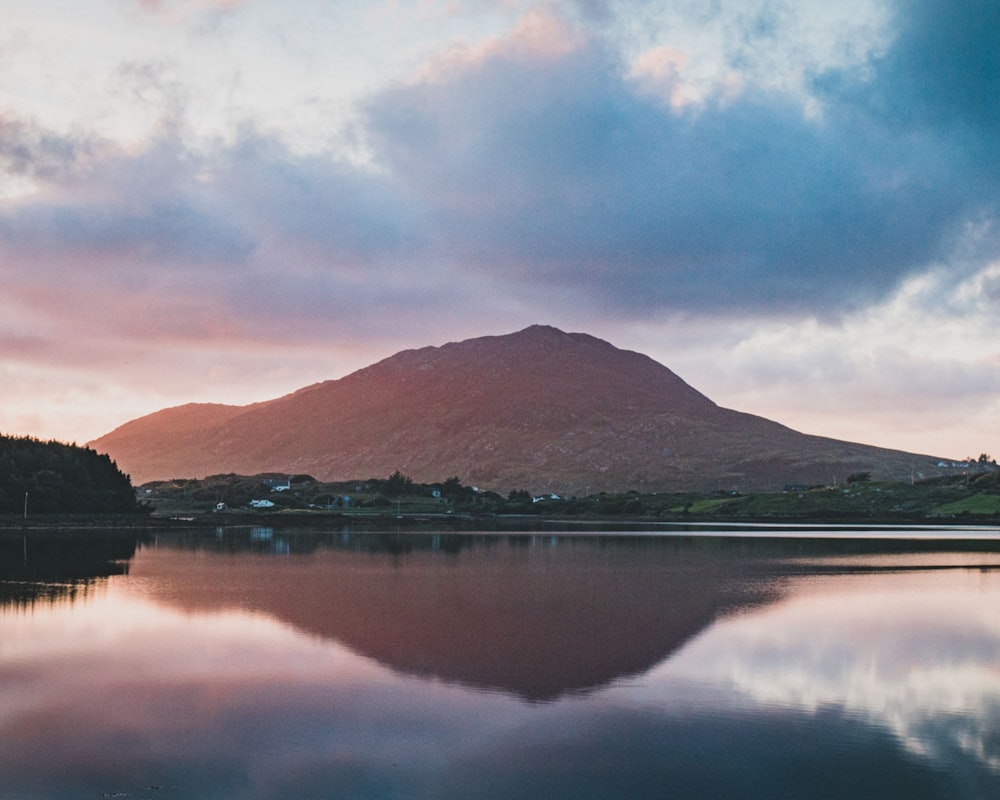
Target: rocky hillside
<point>539,409</point>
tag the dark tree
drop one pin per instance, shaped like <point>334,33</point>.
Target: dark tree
<point>452,488</point>
<point>60,478</point>
<point>397,484</point>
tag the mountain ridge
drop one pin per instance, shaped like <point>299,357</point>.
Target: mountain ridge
<point>538,408</point>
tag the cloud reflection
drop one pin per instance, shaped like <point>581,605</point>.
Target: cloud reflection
<point>915,654</point>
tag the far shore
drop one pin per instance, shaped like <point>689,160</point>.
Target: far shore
<point>15,525</point>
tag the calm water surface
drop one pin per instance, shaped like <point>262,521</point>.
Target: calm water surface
<point>270,664</point>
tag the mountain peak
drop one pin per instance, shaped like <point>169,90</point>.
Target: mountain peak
<point>546,331</point>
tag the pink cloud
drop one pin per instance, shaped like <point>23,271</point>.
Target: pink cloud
<point>539,35</point>
<point>659,72</point>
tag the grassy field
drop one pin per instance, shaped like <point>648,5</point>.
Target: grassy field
<point>976,504</point>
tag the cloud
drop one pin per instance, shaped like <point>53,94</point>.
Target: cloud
<point>561,170</point>
<point>541,164</point>
<point>164,6</point>
<point>27,150</point>
<point>181,222</point>
<point>933,93</point>
<point>940,72</point>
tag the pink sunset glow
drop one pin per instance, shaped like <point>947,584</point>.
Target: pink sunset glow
<point>792,206</point>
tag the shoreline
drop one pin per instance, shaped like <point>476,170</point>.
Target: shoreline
<point>417,522</point>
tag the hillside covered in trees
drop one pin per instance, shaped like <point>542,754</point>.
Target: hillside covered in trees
<point>58,478</point>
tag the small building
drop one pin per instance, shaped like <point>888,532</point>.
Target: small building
<point>540,498</point>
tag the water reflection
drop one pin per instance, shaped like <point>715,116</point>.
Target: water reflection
<point>52,567</point>
<point>225,667</point>
<point>916,653</point>
<point>534,616</point>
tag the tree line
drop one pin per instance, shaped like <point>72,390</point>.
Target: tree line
<point>39,477</point>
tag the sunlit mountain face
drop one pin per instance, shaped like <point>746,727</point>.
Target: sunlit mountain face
<point>541,408</point>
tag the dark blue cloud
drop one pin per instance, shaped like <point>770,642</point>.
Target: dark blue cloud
<point>554,172</point>
<point>345,215</point>
<point>943,70</point>
<point>936,89</point>
<point>542,173</point>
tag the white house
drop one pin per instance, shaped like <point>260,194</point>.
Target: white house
<point>539,498</point>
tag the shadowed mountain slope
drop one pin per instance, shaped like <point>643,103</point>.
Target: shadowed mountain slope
<point>539,409</point>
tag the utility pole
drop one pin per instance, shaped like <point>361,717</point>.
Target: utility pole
<point>25,505</point>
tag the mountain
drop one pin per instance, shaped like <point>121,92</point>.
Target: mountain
<point>538,409</point>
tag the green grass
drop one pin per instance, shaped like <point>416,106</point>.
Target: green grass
<point>975,504</point>
<point>710,505</point>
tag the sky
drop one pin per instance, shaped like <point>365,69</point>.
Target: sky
<point>792,205</point>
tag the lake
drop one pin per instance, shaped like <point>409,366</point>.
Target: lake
<point>266,663</point>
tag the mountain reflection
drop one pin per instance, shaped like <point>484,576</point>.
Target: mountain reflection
<point>52,567</point>
<point>536,616</point>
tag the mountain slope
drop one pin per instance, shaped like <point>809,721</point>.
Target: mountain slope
<point>539,409</point>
